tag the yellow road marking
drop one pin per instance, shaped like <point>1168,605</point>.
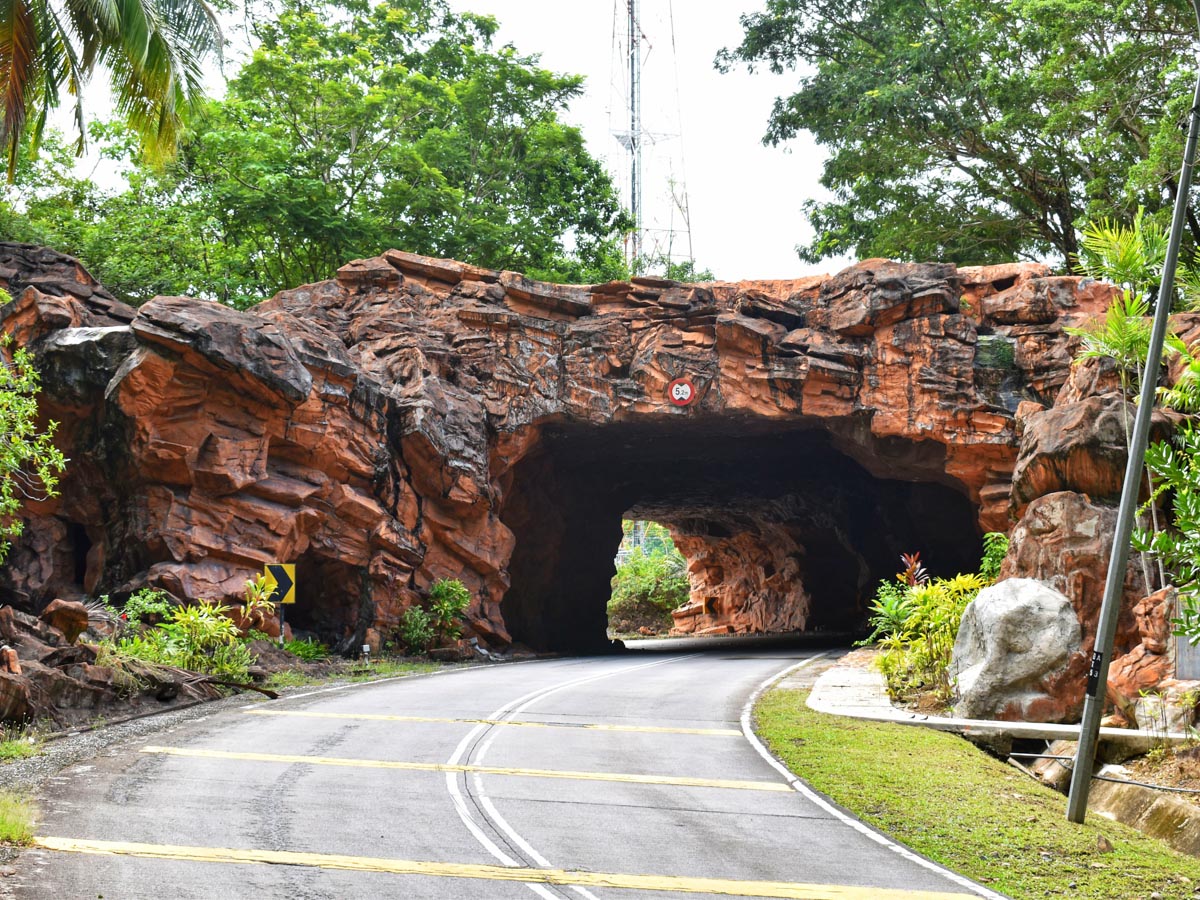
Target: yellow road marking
<point>674,883</point>
<point>675,780</point>
<point>370,717</point>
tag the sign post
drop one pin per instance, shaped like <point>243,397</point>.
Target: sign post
<point>281,577</point>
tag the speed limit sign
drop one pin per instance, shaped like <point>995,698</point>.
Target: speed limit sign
<point>681,391</point>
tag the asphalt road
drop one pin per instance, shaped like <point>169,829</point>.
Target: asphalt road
<point>613,777</point>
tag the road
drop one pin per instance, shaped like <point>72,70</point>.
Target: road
<point>609,777</point>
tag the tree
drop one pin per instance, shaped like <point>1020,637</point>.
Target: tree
<point>29,462</point>
<point>977,131</point>
<point>151,49</point>
<point>351,130</point>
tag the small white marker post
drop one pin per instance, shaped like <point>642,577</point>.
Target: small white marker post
<point>367,653</point>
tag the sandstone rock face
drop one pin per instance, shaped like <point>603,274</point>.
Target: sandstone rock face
<point>418,419</point>
<point>69,617</point>
<point>1016,639</point>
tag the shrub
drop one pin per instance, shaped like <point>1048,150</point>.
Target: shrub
<point>448,601</point>
<point>416,630</point>
<point>916,624</point>
<point>1177,465</point>
<point>145,604</point>
<point>307,649</point>
<point>199,638</point>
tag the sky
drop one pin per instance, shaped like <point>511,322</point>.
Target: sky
<point>745,199</point>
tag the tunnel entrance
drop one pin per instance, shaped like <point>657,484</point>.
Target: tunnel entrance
<point>782,529</point>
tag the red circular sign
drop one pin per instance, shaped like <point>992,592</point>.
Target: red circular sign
<point>681,391</point>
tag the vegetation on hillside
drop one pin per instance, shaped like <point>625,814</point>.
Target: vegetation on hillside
<point>650,582</point>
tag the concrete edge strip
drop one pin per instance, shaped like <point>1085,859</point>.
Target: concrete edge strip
<point>625,778</point>
<point>1048,731</point>
<point>658,883</point>
<point>585,726</point>
<point>795,783</point>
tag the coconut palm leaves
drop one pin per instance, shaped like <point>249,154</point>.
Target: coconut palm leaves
<point>152,51</point>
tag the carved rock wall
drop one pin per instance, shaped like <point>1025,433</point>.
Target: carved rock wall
<point>417,419</point>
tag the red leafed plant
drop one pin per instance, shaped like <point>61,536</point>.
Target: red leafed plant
<point>914,573</point>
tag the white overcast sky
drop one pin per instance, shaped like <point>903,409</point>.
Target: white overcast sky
<point>745,199</point>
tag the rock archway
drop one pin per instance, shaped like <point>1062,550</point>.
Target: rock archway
<point>417,419</point>
<point>783,531</point>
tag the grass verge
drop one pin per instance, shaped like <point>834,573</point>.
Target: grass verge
<point>16,819</point>
<point>380,668</point>
<point>950,801</point>
<point>15,745</point>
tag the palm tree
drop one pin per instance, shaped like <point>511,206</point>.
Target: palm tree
<point>152,51</point>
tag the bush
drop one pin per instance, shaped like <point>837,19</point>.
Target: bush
<point>658,579</point>
<point>307,649</point>
<point>146,604</point>
<point>448,601</point>
<point>1177,465</point>
<point>416,630</point>
<point>198,638</point>
<point>917,624</point>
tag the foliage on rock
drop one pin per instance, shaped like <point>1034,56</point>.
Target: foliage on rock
<point>29,461</point>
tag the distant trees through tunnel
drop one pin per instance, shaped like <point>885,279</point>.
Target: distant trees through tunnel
<point>782,529</point>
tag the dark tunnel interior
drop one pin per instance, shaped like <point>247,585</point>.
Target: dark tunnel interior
<point>564,503</point>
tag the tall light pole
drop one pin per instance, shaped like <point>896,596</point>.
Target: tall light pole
<point>1093,704</point>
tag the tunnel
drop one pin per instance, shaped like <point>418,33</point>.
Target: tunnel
<point>785,528</point>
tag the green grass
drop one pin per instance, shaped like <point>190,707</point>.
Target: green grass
<point>380,668</point>
<point>16,746</point>
<point>950,801</point>
<point>16,819</point>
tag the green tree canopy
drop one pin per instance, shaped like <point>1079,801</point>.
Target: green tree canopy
<point>152,51</point>
<point>978,131</point>
<point>353,128</point>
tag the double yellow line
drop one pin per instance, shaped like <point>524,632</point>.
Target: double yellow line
<point>586,726</point>
<point>291,759</point>
<point>673,883</point>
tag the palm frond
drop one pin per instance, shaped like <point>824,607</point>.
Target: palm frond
<point>18,70</point>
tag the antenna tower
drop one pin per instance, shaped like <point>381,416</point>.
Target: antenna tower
<point>635,134</point>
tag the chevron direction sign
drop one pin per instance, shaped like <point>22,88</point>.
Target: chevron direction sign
<point>282,577</point>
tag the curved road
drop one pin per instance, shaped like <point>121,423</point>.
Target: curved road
<point>612,777</point>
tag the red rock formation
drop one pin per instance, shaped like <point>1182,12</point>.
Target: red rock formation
<point>418,419</point>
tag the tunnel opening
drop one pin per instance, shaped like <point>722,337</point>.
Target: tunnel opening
<point>783,531</point>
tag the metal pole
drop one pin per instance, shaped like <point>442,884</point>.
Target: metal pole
<point>1093,704</point>
<point>635,133</point>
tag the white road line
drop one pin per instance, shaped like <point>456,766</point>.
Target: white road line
<point>512,708</point>
<point>801,788</point>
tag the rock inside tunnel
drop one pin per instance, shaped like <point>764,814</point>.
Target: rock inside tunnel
<point>783,530</point>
